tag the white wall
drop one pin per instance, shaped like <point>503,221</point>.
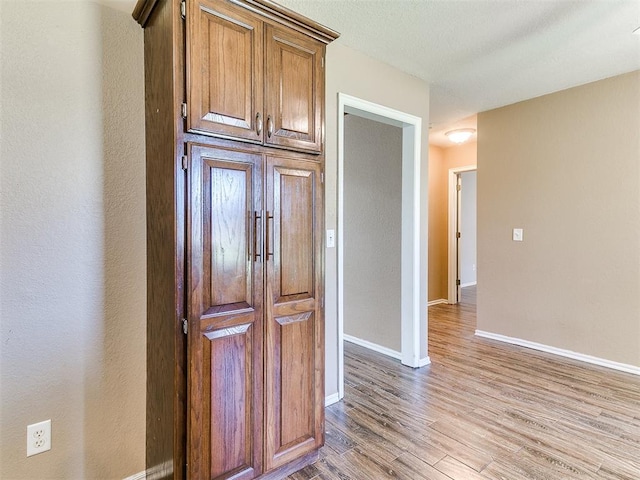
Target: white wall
<point>72,300</point>
<point>372,219</point>
<point>468,228</point>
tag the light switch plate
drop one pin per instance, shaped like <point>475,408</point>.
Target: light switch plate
<point>517,235</point>
<point>331,238</point>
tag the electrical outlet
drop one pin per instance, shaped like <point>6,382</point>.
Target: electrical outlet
<point>38,437</point>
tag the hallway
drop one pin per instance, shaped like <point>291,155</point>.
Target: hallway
<point>481,410</point>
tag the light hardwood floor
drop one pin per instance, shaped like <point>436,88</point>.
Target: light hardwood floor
<point>481,410</point>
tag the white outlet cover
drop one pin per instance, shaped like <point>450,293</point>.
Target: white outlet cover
<point>38,437</point>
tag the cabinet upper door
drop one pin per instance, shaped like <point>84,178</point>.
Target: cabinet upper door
<point>225,279</point>
<point>294,89</point>
<point>224,70</point>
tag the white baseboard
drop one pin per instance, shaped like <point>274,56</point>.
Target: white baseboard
<point>423,362</point>
<point>331,399</point>
<point>468,284</point>
<point>622,367</point>
<point>162,470</point>
<point>437,302</point>
<point>373,346</point>
<point>138,476</point>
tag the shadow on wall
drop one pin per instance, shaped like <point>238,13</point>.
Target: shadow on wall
<point>115,392</point>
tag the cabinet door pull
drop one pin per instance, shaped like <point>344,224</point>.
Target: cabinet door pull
<point>259,123</point>
<point>269,253</point>
<point>269,126</point>
<point>256,250</point>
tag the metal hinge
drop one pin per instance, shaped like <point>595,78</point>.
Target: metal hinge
<point>458,187</point>
<point>183,10</point>
<point>322,62</point>
<point>458,282</point>
<point>321,177</point>
<point>184,162</point>
<point>458,234</point>
<point>185,326</point>
<point>184,110</point>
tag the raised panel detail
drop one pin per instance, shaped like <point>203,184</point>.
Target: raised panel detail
<point>294,230</point>
<point>297,111</point>
<point>297,386</point>
<point>224,70</point>
<point>230,195</point>
<point>229,371</point>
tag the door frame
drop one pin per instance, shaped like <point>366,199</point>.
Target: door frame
<point>413,314</point>
<point>452,263</point>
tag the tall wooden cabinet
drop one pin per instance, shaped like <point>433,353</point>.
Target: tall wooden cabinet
<point>235,328</point>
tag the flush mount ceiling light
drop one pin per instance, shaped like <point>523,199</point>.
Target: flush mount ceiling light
<point>460,135</point>
<point>637,31</point>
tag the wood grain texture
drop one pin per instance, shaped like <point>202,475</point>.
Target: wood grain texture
<point>294,328</point>
<point>481,410</point>
<point>166,382</point>
<point>226,322</point>
<point>224,58</point>
<point>294,89</point>
<point>225,315</point>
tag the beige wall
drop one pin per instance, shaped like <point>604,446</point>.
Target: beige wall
<point>441,160</point>
<point>353,73</point>
<point>72,294</point>
<point>564,167</point>
<point>372,214</point>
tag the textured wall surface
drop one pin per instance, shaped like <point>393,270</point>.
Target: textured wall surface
<point>72,320</point>
<point>564,167</point>
<point>372,218</point>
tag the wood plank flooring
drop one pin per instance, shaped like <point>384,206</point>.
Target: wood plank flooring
<point>481,410</point>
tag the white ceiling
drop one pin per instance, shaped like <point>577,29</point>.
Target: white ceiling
<point>482,54</point>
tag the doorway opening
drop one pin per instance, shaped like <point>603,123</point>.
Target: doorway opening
<point>462,232</point>
<point>413,288</point>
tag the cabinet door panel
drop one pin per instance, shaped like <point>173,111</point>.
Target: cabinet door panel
<point>225,315</point>
<point>293,89</point>
<point>295,330</point>
<point>224,70</point>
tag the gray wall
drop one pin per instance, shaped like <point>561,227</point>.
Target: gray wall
<point>564,167</point>
<point>72,299</point>
<point>372,219</point>
<point>468,217</point>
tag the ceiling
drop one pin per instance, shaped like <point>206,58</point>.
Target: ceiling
<point>483,54</point>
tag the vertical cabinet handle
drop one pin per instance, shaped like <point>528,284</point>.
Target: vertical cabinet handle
<point>269,253</point>
<point>259,123</point>
<point>256,250</point>
<point>269,126</point>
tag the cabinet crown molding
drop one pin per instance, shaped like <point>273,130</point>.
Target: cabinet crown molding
<point>267,8</point>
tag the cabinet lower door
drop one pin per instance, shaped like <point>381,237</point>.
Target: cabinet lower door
<point>294,347</point>
<point>225,315</point>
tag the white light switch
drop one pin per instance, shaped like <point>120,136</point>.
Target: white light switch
<point>331,238</point>
<point>517,235</point>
